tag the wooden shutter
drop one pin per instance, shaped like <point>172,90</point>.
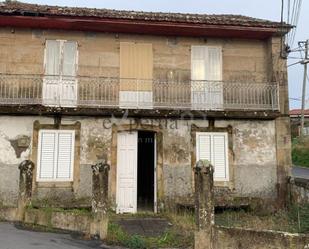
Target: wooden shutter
<point>47,160</point>
<point>65,155</point>
<point>136,63</point>
<point>56,155</point>
<point>213,147</point>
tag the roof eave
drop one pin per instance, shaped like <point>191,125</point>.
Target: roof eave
<point>137,26</point>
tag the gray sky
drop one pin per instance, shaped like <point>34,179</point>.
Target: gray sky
<point>267,9</point>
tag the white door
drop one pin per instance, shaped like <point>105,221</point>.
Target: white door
<point>68,91</point>
<point>126,196</point>
<point>59,82</point>
<point>206,76</point>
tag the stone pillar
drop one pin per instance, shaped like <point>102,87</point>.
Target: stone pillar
<point>99,225</point>
<point>25,187</point>
<point>204,205</point>
<point>284,158</point>
<point>278,73</point>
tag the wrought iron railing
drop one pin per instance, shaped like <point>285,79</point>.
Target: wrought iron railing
<point>136,94</point>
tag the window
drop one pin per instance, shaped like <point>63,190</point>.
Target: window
<point>214,148</point>
<point>60,68</point>
<point>136,73</point>
<point>56,155</point>
<point>61,58</point>
<point>206,76</point>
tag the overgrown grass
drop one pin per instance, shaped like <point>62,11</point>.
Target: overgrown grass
<point>294,220</point>
<point>180,234</point>
<point>300,151</point>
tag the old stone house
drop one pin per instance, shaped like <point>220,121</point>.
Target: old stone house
<point>147,93</point>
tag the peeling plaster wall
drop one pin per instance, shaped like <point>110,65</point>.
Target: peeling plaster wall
<point>254,156</point>
<point>11,128</point>
<point>255,163</point>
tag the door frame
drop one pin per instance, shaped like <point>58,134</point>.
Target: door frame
<point>159,183</point>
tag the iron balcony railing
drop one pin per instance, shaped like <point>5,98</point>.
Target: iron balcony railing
<point>65,91</point>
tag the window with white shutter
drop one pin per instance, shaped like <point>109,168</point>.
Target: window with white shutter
<point>206,76</point>
<point>213,146</point>
<point>56,155</point>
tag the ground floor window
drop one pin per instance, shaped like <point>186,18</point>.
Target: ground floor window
<point>213,146</point>
<point>55,155</point>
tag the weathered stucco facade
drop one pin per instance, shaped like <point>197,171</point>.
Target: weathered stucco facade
<point>258,150</point>
<point>253,153</point>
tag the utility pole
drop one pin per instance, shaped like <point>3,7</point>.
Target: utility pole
<point>303,101</point>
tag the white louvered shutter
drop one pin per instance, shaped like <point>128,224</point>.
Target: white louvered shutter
<point>204,147</point>
<point>56,155</point>
<point>213,147</point>
<point>47,155</point>
<point>219,157</point>
<point>65,155</point>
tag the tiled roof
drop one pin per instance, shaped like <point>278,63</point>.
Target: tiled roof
<point>295,112</point>
<point>19,8</point>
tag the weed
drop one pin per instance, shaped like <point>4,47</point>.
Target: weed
<point>300,155</point>
<point>180,234</point>
<point>285,220</point>
<point>136,242</point>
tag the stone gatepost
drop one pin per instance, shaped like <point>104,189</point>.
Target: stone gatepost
<point>204,205</point>
<point>25,187</point>
<point>100,199</point>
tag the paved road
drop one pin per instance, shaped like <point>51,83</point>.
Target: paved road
<point>299,172</point>
<point>13,238</point>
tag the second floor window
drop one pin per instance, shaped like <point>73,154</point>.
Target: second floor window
<point>61,58</point>
<point>60,83</point>
<point>206,76</point>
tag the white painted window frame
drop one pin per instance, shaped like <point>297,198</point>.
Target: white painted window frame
<point>55,179</point>
<point>211,134</point>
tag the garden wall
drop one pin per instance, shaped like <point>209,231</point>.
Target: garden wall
<point>239,238</point>
<point>299,190</point>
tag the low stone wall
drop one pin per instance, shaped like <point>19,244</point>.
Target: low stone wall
<point>299,190</point>
<point>238,238</point>
<point>59,220</point>
<point>8,214</point>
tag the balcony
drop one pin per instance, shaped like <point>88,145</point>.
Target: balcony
<point>94,92</point>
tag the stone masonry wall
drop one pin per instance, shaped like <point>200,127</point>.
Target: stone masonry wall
<point>237,238</point>
<point>22,52</point>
